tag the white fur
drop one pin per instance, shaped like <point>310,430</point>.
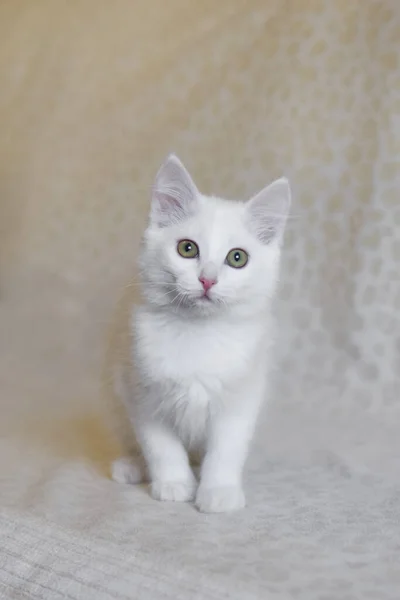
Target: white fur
<point>201,364</point>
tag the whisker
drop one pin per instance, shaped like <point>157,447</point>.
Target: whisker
<point>148,283</point>
<point>166,293</point>
<point>175,298</point>
<point>182,298</point>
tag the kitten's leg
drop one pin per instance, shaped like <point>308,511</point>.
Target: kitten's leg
<point>230,433</point>
<point>167,463</point>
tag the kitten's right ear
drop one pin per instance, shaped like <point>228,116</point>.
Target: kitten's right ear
<point>268,211</point>
<point>174,196</point>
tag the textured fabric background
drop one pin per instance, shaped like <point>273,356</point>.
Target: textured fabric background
<point>93,95</point>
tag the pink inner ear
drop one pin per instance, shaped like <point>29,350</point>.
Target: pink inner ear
<point>167,209</point>
<point>167,202</point>
<point>170,206</point>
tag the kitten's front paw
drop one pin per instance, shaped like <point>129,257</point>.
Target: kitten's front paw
<point>220,499</point>
<point>172,491</point>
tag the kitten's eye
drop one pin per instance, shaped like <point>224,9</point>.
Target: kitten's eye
<point>188,249</point>
<point>237,258</point>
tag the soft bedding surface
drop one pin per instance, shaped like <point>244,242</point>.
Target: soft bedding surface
<point>94,94</point>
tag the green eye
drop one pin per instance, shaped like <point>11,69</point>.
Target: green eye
<point>237,258</point>
<point>188,249</point>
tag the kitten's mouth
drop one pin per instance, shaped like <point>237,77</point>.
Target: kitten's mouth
<point>200,300</point>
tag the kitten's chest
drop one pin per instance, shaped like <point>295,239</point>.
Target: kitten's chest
<point>201,355</point>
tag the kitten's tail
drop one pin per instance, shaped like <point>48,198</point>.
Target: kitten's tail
<point>130,467</point>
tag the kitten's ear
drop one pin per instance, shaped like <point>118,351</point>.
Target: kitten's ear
<point>174,196</point>
<point>268,211</point>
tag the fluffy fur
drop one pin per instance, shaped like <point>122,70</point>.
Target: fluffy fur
<point>201,360</point>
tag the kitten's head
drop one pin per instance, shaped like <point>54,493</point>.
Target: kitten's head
<point>203,255</point>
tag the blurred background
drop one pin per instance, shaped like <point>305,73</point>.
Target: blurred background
<point>94,94</point>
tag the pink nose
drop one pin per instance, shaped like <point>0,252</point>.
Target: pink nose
<point>207,283</point>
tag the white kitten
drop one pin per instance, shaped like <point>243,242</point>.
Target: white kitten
<point>201,339</point>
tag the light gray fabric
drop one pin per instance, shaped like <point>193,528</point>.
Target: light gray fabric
<point>313,530</point>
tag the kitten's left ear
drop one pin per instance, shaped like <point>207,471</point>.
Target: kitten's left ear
<point>268,210</point>
<point>175,194</point>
